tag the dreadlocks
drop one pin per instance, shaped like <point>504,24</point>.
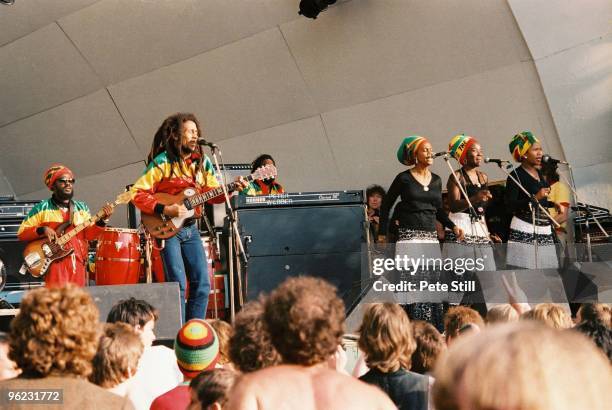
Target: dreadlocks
<point>168,137</point>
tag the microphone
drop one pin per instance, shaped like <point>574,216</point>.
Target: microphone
<point>496,161</point>
<point>547,159</point>
<point>202,141</point>
<point>439,154</point>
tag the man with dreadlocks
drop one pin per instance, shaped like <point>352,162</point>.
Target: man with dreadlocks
<point>176,162</point>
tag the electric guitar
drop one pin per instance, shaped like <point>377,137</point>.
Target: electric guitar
<point>164,227</point>
<point>38,255</point>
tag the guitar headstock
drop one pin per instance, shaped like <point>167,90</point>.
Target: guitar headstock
<point>265,172</point>
<point>124,198</point>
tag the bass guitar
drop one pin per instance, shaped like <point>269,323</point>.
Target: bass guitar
<point>38,255</point>
<point>164,227</point>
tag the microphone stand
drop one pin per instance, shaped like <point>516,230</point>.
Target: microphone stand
<point>473,214</point>
<point>572,187</point>
<point>533,199</point>
<point>234,235</point>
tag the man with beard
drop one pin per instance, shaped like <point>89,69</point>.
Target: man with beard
<point>176,162</point>
<point>53,217</point>
<point>266,187</point>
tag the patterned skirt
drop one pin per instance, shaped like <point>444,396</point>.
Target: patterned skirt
<point>418,305</point>
<point>476,243</point>
<point>522,248</point>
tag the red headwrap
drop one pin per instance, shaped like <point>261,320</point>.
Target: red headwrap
<point>54,172</point>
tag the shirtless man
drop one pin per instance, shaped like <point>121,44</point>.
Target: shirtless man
<point>306,319</point>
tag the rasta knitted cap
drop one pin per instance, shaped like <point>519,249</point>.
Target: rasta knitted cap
<point>459,146</point>
<point>54,172</point>
<point>196,347</point>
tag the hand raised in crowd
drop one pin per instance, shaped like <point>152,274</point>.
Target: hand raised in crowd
<point>50,234</point>
<point>542,193</point>
<point>175,210</point>
<point>516,296</point>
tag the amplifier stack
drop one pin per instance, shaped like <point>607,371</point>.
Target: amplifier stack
<point>304,233</point>
<point>12,213</point>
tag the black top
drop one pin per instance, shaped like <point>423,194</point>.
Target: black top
<point>407,390</point>
<point>518,202</point>
<point>418,208</point>
<point>472,189</point>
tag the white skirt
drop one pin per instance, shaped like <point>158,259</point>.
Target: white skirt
<point>476,244</point>
<point>522,249</point>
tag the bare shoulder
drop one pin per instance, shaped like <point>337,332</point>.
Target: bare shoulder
<point>485,177</point>
<point>452,180</point>
<point>350,392</point>
<point>263,388</point>
<point>243,396</point>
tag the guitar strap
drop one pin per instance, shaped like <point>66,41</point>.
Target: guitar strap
<point>60,229</point>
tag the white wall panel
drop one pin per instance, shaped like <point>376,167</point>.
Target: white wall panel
<point>86,134</point>
<point>27,16</point>
<point>123,39</point>
<point>550,26</point>
<point>249,85</point>
<point>578,85</point>
<point>362,50</point>
<point>40,71</point>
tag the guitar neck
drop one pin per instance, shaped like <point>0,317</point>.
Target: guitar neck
<point>64,239</point>
<point>199,199</point>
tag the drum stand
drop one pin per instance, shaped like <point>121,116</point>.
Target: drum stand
<point>148,249</point>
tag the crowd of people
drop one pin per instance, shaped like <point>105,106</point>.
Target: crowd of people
<point>286,350</point>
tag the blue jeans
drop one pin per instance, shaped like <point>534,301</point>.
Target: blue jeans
<point>184,259</point>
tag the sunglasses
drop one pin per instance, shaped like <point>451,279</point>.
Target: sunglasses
<point>66,181</point>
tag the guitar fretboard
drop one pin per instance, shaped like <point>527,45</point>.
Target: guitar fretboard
<point>199,199</point>
<point>64,239</point>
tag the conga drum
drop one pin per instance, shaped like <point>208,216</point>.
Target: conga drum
<point>118,257</point>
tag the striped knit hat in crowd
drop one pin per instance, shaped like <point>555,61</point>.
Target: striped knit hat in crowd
<point>520,144</point>
<point>459,147</point>
<point>406,153</point>
<point>196,347</point>
<point>54,172</point>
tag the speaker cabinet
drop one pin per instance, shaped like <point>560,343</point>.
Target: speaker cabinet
<point>162,296</point>
<point>322,241</point>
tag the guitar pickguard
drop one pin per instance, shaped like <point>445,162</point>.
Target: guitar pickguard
<point>178,220</point>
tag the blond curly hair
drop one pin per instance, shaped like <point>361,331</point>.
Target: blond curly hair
<point>55,333</point>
